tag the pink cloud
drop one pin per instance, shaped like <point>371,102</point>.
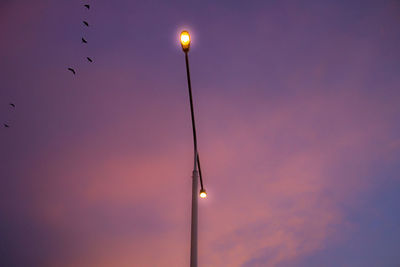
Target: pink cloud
<point>264,195</point>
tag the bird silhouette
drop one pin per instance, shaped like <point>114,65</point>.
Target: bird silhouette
<point>84,41</point>
<point>87,6</point>
<point>72,70</point>
<point>12,104</point>
<point>86,23</point>
<point>6,125</point>
<point>89,59</point>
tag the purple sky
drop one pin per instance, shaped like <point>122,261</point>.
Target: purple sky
<point>297,106</point>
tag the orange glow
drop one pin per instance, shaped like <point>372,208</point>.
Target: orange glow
<point>185,40</point>
<point>203,194</point>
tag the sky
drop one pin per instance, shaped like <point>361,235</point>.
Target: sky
<point>297,108</point>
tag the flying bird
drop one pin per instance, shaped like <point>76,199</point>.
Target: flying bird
<point>72,70</point>
<point>6,125</point>
<point>89,59</point>
<point>86,23</point>
<point>12,104</point>
<point>84,41</point>
<point>87,6</point>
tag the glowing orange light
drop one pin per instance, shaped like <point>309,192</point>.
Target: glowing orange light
<point>203,193</point>
<point>185,40</point>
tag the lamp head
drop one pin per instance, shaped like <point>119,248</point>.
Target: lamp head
<point>203,193</point>
<point>185,40</point>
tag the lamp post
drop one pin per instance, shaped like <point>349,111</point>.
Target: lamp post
<point>185,42</point>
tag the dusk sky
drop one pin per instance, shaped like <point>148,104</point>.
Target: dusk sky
<point>297,108</point>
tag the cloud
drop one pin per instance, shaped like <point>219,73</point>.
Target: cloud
<point>275,192</point>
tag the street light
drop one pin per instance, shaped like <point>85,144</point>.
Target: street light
<point>203,193</point>
<point>185,42</point>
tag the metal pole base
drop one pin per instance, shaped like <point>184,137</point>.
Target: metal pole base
<point>193,241</point>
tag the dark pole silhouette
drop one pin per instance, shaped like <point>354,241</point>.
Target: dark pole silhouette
<point>185,42</point>
<point>195,175</point>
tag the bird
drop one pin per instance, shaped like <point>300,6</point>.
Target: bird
<point>89,59</point>
<point>72,70</point>
<point>12,104</point>
<point>6,125</point>
<point>86,23</point>
<point>87,6</point>
<point>84,41</point>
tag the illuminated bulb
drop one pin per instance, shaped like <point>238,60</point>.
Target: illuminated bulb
<point>185,40</point>
<point>203,193</point>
